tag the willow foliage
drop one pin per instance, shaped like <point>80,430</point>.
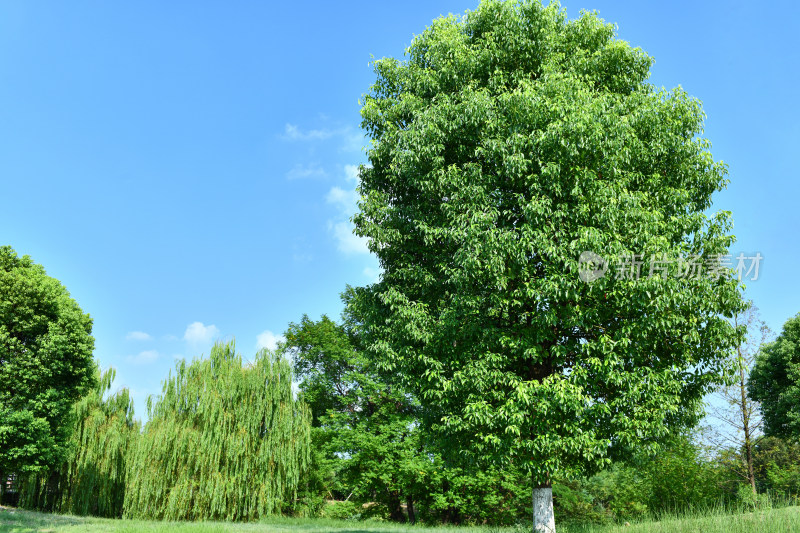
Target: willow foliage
<point>92,479</point>
<point>224,441</point>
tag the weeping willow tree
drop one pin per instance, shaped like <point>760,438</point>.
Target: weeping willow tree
<point>92,479</point>
<point>224,441</point>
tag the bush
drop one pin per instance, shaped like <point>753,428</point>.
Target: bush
<point>342,510</point>
<point>777,467</point>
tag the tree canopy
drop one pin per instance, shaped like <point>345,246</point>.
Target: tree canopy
<point>775,382</point>
<point>45,364</point>
<point>507,143</point>
<point>224,441</point>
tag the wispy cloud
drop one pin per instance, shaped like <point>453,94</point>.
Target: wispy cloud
<point>351,138</point>
<point>294,133</point>
<point>147,356</point>
<point>198,333</point>
<point>348,242</point>
<point>301,171</point>
<point>351,173</point>
<point>269,340</point>
<point>346,203</point>
<point>137,336</point>
<point>374,274</point>
<point>345,200</point>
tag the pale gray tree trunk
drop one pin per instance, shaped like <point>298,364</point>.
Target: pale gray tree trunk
<point>543,519</point>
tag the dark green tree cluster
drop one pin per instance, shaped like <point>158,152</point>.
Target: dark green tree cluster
<point>775,382</point>
<point>371,456</point>
<point>45,365</point>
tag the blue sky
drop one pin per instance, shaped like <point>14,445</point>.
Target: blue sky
<point>186,168</point>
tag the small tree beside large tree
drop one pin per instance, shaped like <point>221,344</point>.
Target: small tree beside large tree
<point>510,141</point>
<point>737,412</point>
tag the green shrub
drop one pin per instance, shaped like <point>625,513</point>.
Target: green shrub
<point>342,510</point>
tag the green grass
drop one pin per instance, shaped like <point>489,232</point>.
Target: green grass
<point>773,521</point>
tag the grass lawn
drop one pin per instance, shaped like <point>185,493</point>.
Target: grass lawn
<point>771,521</point>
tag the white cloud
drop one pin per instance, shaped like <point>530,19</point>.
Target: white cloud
<point>197,333</point>
<point>137,336</point>
<point>345,201</point>
<point>300,171</point>
<point>352,139</point>
<point>349,242</point>
<point>267,339</point>
<point>293,133</point>
<point>147,356</point>
<point>374,274</point>
<point>351,173</point>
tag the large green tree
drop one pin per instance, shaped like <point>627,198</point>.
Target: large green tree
<point>775,382</point>
<point>507,143</point>
<point>45,364</point>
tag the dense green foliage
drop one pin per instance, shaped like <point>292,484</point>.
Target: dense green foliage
<point>777,465</point>
<point>224,441</point>
<point>363,427</point>
<point>369,448</point>
<point>92,479</point>
<point>45,364</point>
<point>775,382</point>
<point>510,141</point>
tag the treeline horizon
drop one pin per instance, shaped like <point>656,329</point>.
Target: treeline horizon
<point>228,440</point>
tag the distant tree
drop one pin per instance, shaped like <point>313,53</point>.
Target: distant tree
<point>364,428</point>
<point>368,443</point>
<point>739,413</point>
<point>775,382</point>
<point>45,364</point>
<point>510,141</point>
<point>777,466</point>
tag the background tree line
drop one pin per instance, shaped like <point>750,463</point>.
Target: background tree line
<point>220,444</point>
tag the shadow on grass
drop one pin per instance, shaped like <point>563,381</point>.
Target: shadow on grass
<point>17,520</point>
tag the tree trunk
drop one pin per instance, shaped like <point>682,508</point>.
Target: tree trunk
<point>543,519</point>
<point>395,509</point>
<point>412,516</point>
<point>748,439</point>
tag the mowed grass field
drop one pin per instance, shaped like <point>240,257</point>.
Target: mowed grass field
<point>769,521</point>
